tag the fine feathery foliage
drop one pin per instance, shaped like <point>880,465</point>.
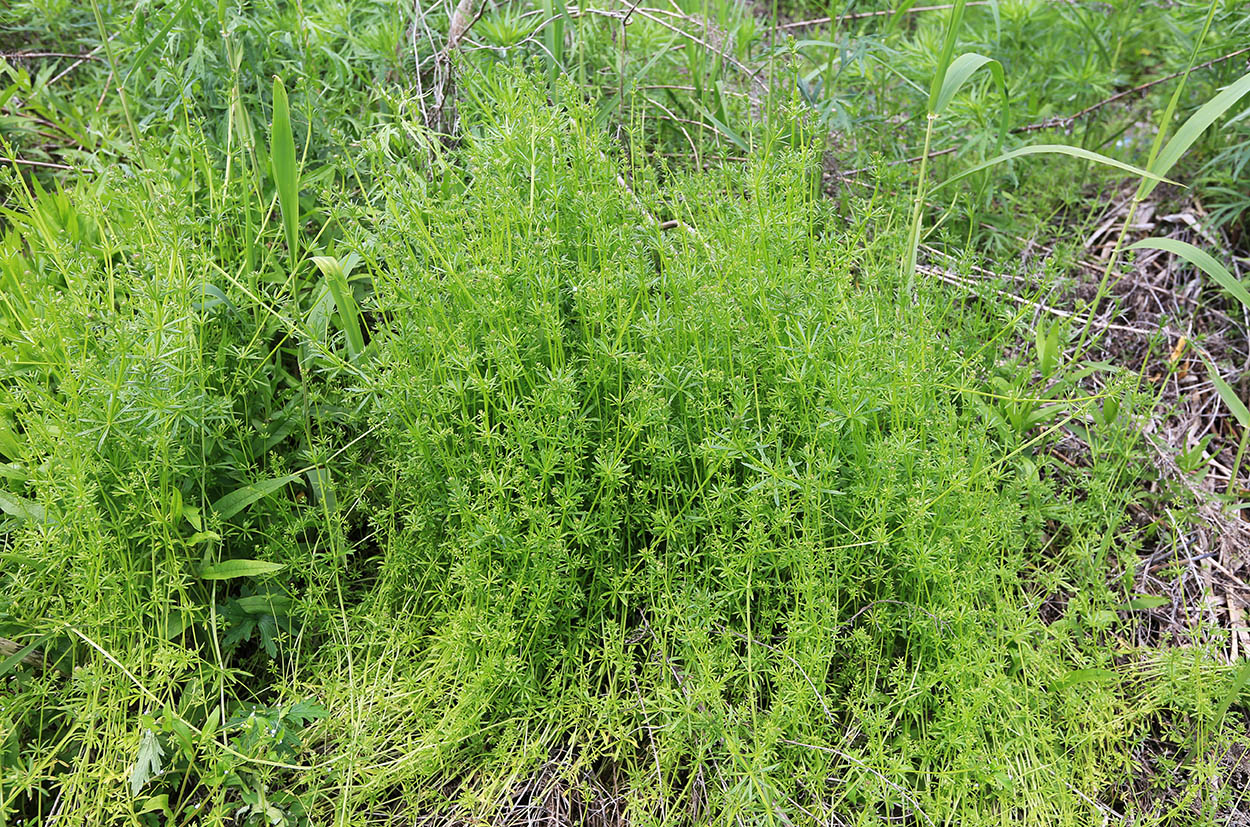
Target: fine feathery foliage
<point>703,512</point>
<point>616,459</point>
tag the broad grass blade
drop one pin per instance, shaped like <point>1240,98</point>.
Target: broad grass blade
<point>957,75</point>
<point>1053,149</point>
<point>239,499</point>
<point>1201,259</point>
<point>1239,683</point>
<point>948,51</point>
<point>1234,403</point>
<point>344,300</point>
<point>285,169</point>
<point>232,569</point>
<point>1145,602</point>
<point>1194,127</point>
<point>898,15</point>
<point>23,655</point>
<point>21,508</point>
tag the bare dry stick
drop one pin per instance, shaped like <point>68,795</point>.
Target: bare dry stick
<point>442,117</point>
<point>1065,122</point>
<point>849,175</point>
<point>650,14</point>
<point>657,223</point>
<point>820,21</point>
<point>91,55</point>
<point>32,55</point>
<point>461,21</point>
<point>9,648</point>
<point>81,59</point>
<point>42,164</point>
<point>956,281</point>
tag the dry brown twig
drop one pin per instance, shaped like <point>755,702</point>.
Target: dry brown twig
<point>442,118</point>
<point>44,55</point>
<point>8,648</point>
<point>35,659</point>
<point>91,55</point>
<point>863,15</point>
<point>955,280</point>
<point>1066,122</point>
<point>25,162</point>
<point>1221,543</point>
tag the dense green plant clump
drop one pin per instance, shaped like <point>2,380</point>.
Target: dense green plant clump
<point>606,459</point>
<point>699,510</point>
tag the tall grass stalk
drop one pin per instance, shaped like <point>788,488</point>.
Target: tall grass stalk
<point>1145,187</point>
<point>945,58</point>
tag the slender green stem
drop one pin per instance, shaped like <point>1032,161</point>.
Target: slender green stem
<point>121,86</point>
<point>913,240</point>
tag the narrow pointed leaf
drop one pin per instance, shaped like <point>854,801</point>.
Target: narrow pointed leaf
<point>344,301</point>
<point>26,655</point>
<point>1145,601</point>
<point>725,130</point>
<point>161,39</point>
<point>237,500</point>
<point>322,487</point>
<point>1053,149</point>
<point>271,604</point>
<point>22,508</point>
<point>10,445</point>
<point>285,168</point>
<point>948,51</point>
<point>1240,680</point>
<point>964,67</point>
<point>1229,396</point>
<point>1193,128</point>
<point>903,9</point>
<point>957,75</point>
<point>231,569</point>
<point>1201,259</point>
